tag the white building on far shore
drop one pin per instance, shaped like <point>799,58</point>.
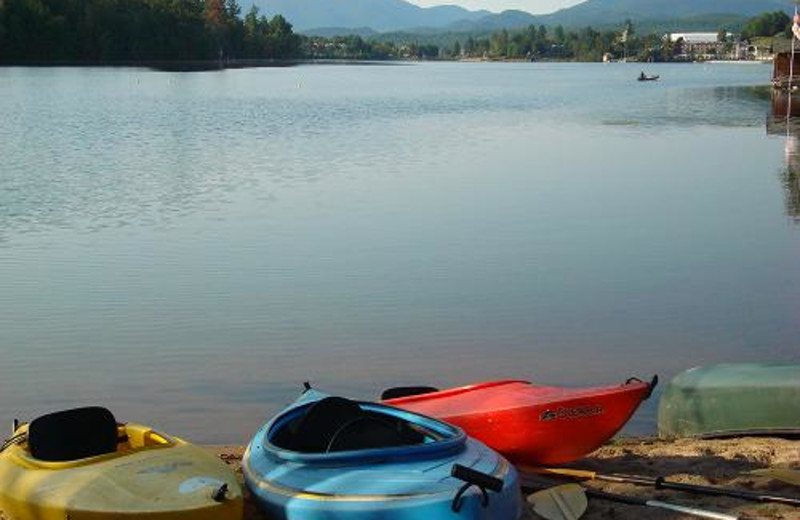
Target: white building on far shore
<point>705,46</point>
<point>694,38</point>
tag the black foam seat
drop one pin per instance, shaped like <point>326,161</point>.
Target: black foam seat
<point>364,433</point>
<point>73,434</point>
<point>314,430</point>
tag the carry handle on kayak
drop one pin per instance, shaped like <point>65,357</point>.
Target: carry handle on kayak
<point>475,478</point>
<point>220,494</point>
<point>650,386</point>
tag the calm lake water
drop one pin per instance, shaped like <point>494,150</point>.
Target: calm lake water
<point>187,249</point>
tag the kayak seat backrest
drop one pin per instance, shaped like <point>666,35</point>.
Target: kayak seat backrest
<point>313,431</point>
<point>406,391</point>
<point>365,433</point>
<point>73,434</point>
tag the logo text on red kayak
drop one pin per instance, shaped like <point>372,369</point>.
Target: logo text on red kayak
<point>575,412</point>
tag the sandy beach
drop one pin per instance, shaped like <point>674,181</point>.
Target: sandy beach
<point>708,462</point>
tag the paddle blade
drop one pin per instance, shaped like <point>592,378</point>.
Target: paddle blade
<point>567,502</point>
<point>790,476</point>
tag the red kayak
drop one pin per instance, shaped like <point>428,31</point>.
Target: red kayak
<point>531,425</point>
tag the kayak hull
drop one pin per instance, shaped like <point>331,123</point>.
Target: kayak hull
<point>385,483</point>
<point>732,400</point>
<point>534,425</point>
<point>164,479</point>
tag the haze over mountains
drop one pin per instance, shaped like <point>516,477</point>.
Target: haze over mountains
<point>364,16</point>
<point>378,15</point>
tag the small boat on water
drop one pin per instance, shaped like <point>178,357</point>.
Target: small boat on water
<point>331,458</point>
<point>729,400</point>
<point>529,424</point>
<point>81,465</point>
<point>645,77</point>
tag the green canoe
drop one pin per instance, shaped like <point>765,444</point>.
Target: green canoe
<point>731,400</point>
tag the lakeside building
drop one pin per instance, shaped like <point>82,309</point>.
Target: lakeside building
<point>761,48</point>
<point>786,64</point>
<point>706,46</point>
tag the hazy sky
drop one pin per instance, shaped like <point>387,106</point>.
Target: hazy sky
<point>532,6</point>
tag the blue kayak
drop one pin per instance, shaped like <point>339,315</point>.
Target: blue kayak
<point>331,458</point>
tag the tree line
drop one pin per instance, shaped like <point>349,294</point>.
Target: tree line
<point>175,30</point>
<point>531,43</point>
<point>536,43</point>
<point>139,30</point>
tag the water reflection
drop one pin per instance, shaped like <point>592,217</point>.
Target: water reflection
<point>93,150</point>
<point>439,224</point>
<point>791,178</point>
<point>784,120</point>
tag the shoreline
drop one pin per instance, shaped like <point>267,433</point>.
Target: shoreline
<point>233,64</point>
<point>196,65</point>
<point>724,462</point>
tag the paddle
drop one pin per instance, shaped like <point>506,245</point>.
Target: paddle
<point>627,499</point>
<point>566,502</point>
<point>790,476</point>
<point>688,510</point>
<point>660,483</point>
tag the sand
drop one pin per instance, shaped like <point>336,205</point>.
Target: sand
<point>707,462</point>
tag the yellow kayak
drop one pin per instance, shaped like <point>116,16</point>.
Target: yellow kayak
<point>59,467</point>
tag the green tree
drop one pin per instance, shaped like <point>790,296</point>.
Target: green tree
<point>469,46</point>
<point>214,14</point>
<point>284,42</point>
<point>2,27</point>
<point>629,30</point>
<point>251,22</point>
<point>499,44</point>
<point>515,48</point>
<point>667,48</point>
<point>92,30</point>
<point>766,24</point>
<point>541,34</point>
<point>559,35</point>
<point>428,51</point>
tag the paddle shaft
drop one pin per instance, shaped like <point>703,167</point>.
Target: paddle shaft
<point>625,499</point>
<point>660,483</point>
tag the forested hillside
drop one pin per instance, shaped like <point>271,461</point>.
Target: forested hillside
<point>700,15</point>
<point>139,30</point>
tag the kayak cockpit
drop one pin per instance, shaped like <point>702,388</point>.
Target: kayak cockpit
<point>335,424</point>
<point>82,464</point>
<point>333,458</point>
<point>81,435</point>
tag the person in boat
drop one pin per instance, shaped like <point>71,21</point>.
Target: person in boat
<point>642,75</point>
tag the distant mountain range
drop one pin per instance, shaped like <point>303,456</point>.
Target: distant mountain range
<point>604,12</point>
<point>378,15</point>
<point>331,17</point>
